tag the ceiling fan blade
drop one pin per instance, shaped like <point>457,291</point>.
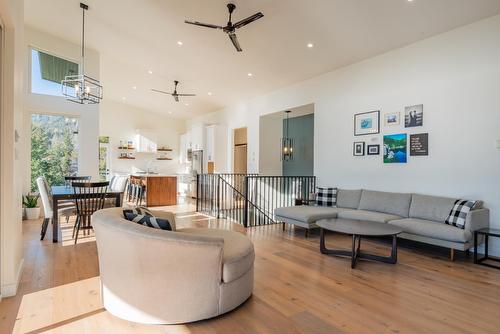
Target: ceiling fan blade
<point>176,97</point>
<point>160,91</point>
<point>248,20</point>
<point>206,25</point>
<point>186,94</point>
<point>234,39</point>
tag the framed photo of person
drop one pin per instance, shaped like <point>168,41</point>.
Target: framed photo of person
<point>367,123</point>
<point>373,150</point>
<point>414,116</point>
<point>359,149</point>
<point>391,119</point>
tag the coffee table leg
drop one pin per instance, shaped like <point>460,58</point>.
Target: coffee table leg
<point>355,250</point>
<point>394,251</point>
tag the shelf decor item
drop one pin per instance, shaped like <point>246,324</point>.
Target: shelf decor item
<point>395,147</point>
<point>359,149</point>
<point>82,88</point>
<point>30,203</point>
<point>367,123</point>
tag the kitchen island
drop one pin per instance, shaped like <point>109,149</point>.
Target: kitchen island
<point>161,189</point>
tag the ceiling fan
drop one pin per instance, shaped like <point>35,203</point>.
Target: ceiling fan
<point>174,94</point>
<point>230,28</point>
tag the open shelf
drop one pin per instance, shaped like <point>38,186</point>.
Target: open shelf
<point>126,158</point>
<point>164,159</point>
<point>164,150</point>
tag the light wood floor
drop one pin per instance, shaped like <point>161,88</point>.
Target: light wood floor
<point>297,290</point>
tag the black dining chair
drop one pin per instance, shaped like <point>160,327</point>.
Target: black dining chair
<point>69,180</point>
<point>89,198</point>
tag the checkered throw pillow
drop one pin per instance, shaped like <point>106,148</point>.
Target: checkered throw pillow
<point>459,212</point>
<point>138,210</point>
<point>326,197</point>
<point>149,221</point>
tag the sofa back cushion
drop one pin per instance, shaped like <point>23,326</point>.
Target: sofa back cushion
<point>431,207</point>
<point>393,203</point>
<point>348,198</point>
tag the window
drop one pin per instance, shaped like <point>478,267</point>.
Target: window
<point>54,148</point>
<point>47,72</point>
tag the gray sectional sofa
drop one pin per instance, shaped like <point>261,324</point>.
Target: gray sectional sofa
<point>421,217</point>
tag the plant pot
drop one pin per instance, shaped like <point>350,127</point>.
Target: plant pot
<point>32,213</point>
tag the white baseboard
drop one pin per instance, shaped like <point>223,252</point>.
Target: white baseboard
<point>10,290</point>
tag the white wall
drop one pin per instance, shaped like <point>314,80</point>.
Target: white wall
<point>11,99</point>
<point>455,75</point>
<point>120,122</point>
<point>88,115</point>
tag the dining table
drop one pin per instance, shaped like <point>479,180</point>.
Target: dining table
<point>65,193</point>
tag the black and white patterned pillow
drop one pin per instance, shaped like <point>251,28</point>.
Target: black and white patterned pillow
<point>149,221</point>
<point>458,213</point>
<point>138,210</point>
<point>326,196</point>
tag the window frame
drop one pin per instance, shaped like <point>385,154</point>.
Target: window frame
<point>32,48</point>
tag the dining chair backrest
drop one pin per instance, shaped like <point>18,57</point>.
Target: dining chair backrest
<point>89,196</point>
<point>69,180</point>
<point>119,183</point>
<point>45,194</point>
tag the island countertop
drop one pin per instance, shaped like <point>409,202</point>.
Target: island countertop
<point>161,189</point>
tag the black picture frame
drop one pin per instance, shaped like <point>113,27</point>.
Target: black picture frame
<point>361,153</point>
<point>375,116</point>
<point>369,147</point>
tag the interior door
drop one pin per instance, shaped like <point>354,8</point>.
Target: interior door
<point>240,159</point>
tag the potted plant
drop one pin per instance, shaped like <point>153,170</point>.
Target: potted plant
<point>30,203</point>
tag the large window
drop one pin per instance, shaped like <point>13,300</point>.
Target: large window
<point>47,72</point>
<point>54,148</point>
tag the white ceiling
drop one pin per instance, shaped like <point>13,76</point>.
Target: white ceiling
<point>134,36</point>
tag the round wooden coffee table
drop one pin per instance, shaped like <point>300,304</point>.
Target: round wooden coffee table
<point>359,229</point>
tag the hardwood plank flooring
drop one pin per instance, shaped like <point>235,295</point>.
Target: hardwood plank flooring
<point>297,289</point>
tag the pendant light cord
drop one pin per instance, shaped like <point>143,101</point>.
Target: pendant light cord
<point>83,40</point>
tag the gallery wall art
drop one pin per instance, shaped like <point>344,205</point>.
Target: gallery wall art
<point>359,149</point>
<point>392,119</point>
<point>367,123</point>
<point>419,144</point>
<point>373,150</point>
<point>414,116</point>
<point>395,148</point>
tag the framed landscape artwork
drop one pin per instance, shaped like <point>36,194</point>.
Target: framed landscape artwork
<point>367,123</point>
<point>395,148</point>
<point>391,119</point>
<point>359,149</point>
<point>414,116</point>
<point>373,149</point>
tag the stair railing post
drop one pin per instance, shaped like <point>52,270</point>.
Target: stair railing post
<point>245,214</point>
<point>197,192</point>
<point>217,194</point>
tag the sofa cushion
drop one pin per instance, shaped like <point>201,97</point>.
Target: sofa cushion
<point>307,214</point>
<point>430,207</point>
<point>432,229</point>
<point>238,256</point>
<point>371,216</point>
<point>348,198</point>
<point>392,203</point>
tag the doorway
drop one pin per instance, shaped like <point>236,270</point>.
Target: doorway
<point>240,151</point>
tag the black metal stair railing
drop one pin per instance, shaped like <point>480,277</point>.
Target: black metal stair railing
<point>249,199</point>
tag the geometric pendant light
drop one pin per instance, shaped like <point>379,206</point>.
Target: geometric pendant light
<point>287,143</point>
<point>81,88</point>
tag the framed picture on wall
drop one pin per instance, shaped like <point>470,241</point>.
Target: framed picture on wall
<point>414,116</point>
<point>359,149</point>
<point>391,119</point>
<point>395,147</point>
<point>373,150</point>
<point>367,123</point>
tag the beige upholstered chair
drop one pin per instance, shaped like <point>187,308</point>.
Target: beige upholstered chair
<point>153,276</point>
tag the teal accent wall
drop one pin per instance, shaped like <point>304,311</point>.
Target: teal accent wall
<point>301,129</point>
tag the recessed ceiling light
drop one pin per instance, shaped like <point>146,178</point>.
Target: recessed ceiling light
<point>170,112</point>
<point>209,93</point>
<point>179,43</point>
<point>310,45</point>
<point>150,72</point>
<point>134,88</point>
<point>124,98</point>
<point>250,74</point>
<point>186,104</point>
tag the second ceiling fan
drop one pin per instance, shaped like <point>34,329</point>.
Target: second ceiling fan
<point>230,28</point>
<point>174,94</point>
